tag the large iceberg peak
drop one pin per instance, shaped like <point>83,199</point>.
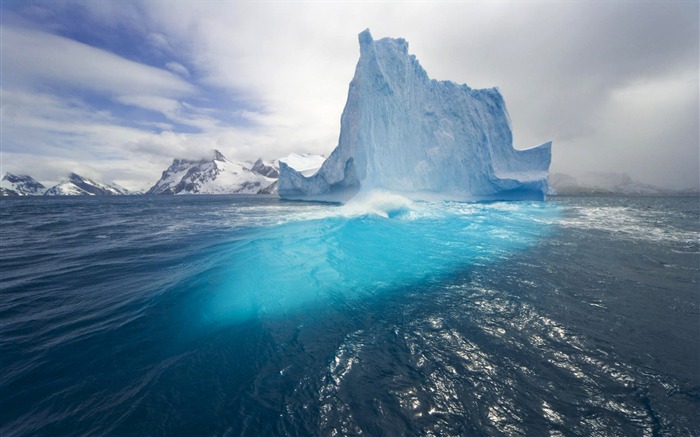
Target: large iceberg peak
<point>403,132</point>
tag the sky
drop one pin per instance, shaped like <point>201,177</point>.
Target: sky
<point>114,90</point>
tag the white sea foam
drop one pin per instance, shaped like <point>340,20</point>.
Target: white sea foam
<point>378,202</point>
<point>627,222</point>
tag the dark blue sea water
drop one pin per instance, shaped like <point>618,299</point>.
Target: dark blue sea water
<point>226,315</point>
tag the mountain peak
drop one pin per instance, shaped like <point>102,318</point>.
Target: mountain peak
<point>75,177</point>
<point>267,169</point>
<point>11,177</point>
<point>218,156</point>
<point>215,176</point>
<point>79,185</point>
<point>22,184</point>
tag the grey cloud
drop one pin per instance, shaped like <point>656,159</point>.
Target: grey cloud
<point>578,73</point>
<point>564,68</point>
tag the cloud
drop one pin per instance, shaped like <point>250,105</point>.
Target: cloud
<point>612,85</point>
<point>46,124</point>
<point>127,172</point>
<point>179,112</point>
<point>52,137</point>
<point>654,122</point>
<point>178,69</point>
<point>557,64</point>
<point>159,42</point>
<point>160,104</point>
<point>36,59</point>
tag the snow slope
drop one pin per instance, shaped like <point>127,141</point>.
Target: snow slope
<point>403,132</point>
<point>66,188</point>
<point>122,190</point>
<point>77,185</point>
<point>217,175</point>
<point>7,192</point>
<point>22,185</point>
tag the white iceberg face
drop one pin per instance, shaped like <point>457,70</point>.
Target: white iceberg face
<point>403,132</point>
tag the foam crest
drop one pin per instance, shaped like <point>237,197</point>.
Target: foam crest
<point>378,202</point>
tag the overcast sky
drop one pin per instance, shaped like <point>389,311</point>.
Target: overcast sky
<point>114,90</point>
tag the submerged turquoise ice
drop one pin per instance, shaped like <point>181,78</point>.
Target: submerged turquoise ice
<point>372,245</point>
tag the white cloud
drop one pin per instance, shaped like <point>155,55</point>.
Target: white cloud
<point>32,59</point>
<point>160,104</point>
<point>597,81</point>
<point>555,63</point>
<point>178,69</point>
<point>159,42</point>
<point>49,136</point>
<point>176,111</point>
<point>127,172</point>
<point>45,122</point>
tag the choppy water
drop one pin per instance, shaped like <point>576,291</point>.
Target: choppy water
<point>225,315</point>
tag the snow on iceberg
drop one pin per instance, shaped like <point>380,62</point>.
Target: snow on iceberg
<point>306,164</point>
<point>403,132</point>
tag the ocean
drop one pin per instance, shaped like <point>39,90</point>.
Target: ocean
<point>254,316</point>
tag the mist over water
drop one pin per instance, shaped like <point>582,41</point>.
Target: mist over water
<point>234,315</point>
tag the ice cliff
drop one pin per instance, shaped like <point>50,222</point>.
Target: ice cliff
<point>403,132</point>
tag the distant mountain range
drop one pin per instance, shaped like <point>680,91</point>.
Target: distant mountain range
<point>605,183</point>
<point>215,175</point>
<point>74,185</point>
<point>218,175</point>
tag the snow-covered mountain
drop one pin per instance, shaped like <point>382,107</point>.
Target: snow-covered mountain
<point>401,131</point>
<point>268,169</point>
<point>217,175</point>
<point>122,190</point>
<point>601,183</point>
<point>77,185</point>
<point>21,185</point>
<point>7,192</point>
<point>66,188</point>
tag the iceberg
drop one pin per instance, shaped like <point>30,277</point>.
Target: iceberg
<point>426,139</point>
